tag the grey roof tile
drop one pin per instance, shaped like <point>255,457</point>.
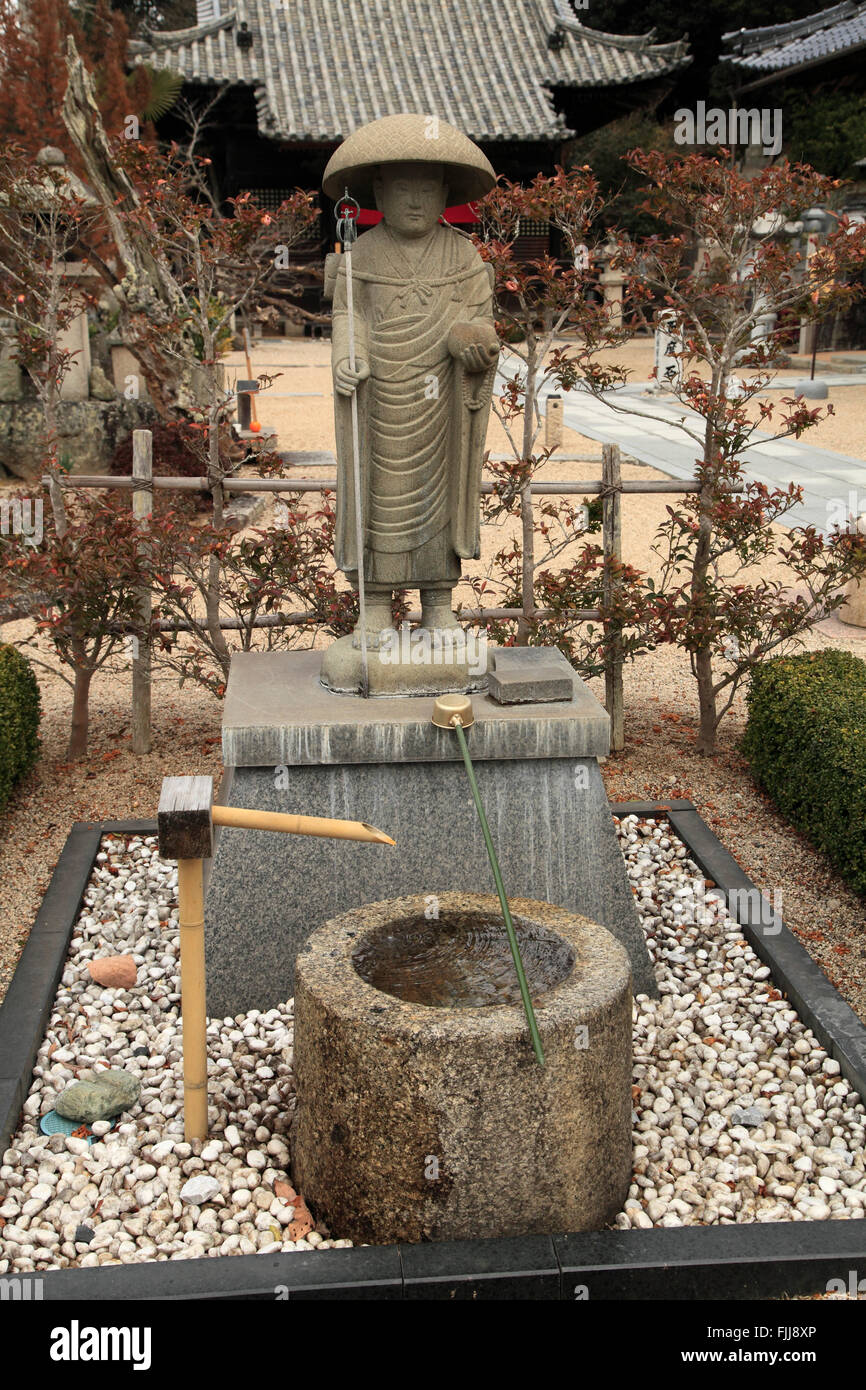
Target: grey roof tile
<point>800,43</point>
<point>320,70</point>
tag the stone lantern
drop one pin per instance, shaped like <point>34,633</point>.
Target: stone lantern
<point>611,282</point>
<point>853,610</point>
<point>75,338</point>
<point>816,223</point>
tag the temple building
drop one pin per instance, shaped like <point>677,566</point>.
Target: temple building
<point>519,77</point>
<point>828,46</point>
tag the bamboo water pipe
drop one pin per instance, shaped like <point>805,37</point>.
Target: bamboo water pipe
<point>186,818</point>
<point>241,819</point>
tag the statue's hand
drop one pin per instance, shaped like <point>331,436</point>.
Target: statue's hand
<point>346,380</point>
<point>475,345</point>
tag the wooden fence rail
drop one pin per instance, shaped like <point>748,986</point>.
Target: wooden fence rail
<point>610,487</point>
<point>592,486</point>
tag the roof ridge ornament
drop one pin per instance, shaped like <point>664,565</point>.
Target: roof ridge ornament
<point>568,20</point>
<point>171,38</point>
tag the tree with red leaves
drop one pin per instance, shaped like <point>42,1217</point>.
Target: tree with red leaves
<point>82,586</point>
<point>703,603</point>
<point>33,73</point>
<point>537,302</point>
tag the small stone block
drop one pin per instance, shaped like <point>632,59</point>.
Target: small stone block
<point>265,432</point>
<point>530,675</point>
<point>246,386</point>
<point>184,818</point>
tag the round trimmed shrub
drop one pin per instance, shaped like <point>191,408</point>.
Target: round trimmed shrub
<point>20,711</point>
<point>806,744</point>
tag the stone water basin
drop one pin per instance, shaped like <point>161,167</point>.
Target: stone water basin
<point>422,1112</point>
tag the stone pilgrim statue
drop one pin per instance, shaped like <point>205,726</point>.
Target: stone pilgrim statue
<point>425,359</point>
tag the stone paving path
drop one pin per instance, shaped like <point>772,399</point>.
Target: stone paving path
<point>833,484</point>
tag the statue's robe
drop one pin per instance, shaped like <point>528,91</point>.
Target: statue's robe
<point>422,417</point>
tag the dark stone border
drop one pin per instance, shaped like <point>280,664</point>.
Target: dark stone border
<point>800,979</point>
<point>760,1260</point>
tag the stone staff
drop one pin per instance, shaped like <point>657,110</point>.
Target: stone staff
<point>348,211</point>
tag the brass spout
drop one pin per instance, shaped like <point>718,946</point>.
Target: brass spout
<point>450,710</point>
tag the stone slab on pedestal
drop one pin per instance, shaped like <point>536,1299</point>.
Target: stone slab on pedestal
<point>529,675</point>
<point>290,745</point>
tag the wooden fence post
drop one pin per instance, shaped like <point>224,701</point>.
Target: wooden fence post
<point>527,574</point>
<point>142,507</point>
<point>611,477</point>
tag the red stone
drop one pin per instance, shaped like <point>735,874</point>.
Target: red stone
<point>114,972</point>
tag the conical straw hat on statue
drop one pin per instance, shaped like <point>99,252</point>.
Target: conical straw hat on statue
<point>406,139</point>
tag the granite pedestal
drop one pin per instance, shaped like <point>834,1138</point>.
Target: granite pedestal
<point>291,745</point>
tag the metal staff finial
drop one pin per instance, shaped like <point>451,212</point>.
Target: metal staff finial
<point>346,212</point>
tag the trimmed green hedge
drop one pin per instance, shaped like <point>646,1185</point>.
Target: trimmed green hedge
<point>20,710</point>
<point>806,742</point>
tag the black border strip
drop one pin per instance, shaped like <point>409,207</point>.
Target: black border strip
<point>795,973</point>
<point>752,1261</point>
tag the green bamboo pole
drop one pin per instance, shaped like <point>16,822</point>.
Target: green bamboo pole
<point>509,925</point>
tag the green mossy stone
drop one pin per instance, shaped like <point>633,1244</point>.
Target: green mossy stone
<point>108,1094</point>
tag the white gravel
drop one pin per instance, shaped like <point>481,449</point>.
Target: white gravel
<point>719,1042</point>
<point>740,1115</point>
<point>144,1192</point>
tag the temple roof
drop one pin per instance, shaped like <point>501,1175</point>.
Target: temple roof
<point>802,43</point>
<point>320,70</point>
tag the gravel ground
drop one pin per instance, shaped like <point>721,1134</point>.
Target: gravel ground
<point>740,1115</point>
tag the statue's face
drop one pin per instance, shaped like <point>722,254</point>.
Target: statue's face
<point>411,197</point>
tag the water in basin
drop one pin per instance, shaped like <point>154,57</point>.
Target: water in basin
<point>460,960</point>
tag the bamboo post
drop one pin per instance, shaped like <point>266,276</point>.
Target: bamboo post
<point>527,575</point>
<point>186,834</point>
<point>142,506</point>
<point>254,420</point>
<point>186,818</point>
<point>190,888</point>
<point>611,477</point>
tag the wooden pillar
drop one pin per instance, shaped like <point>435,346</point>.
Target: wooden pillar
<point>553,423</point>
<point>611,476</point>
<point>142,507</point>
